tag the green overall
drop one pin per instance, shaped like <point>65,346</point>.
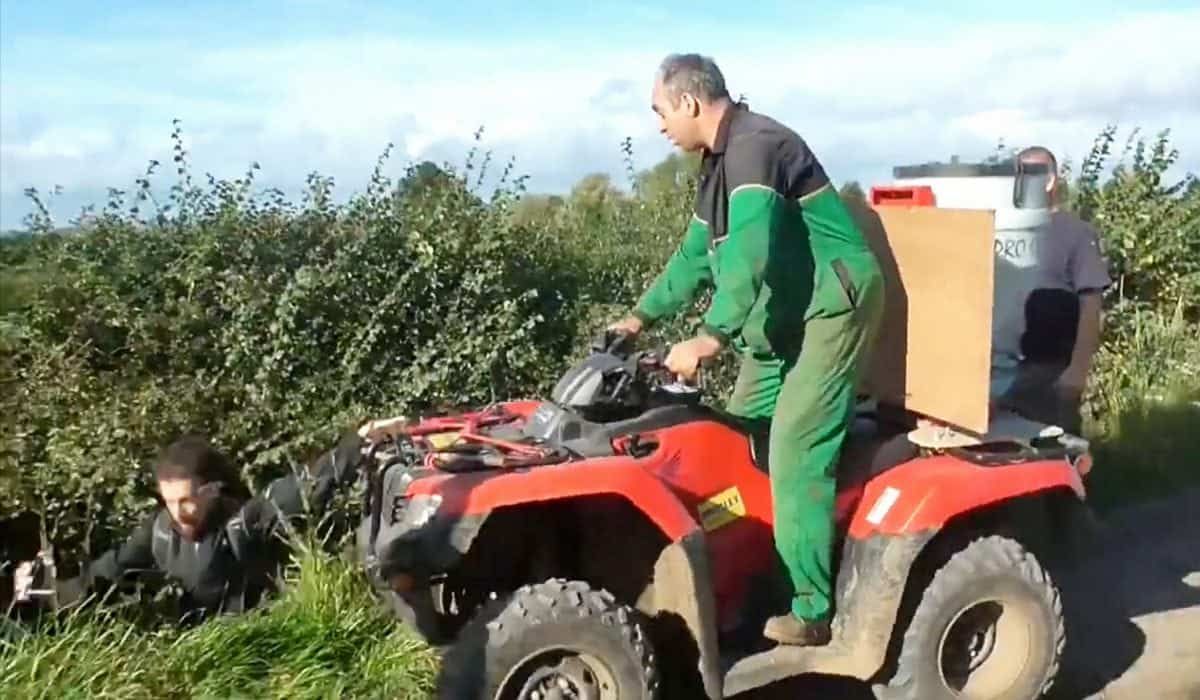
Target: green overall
<point>799,295</point>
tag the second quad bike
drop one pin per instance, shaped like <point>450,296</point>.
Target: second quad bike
<point>615,542</point>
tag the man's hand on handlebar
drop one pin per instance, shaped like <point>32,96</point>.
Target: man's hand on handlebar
<point>618,338</point>
<point>684,358</point>
<point>630,325</point>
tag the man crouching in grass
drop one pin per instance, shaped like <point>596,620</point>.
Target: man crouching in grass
<point>225,549</point>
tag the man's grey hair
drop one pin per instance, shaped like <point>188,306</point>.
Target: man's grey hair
<point>694,74</point>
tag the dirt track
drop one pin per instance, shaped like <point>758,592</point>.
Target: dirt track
<point>1133,613</point>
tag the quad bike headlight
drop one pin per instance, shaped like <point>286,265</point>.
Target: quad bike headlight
<point>418,512</point>
<point>404,544</point>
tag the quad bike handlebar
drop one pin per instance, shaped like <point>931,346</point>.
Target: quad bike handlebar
<point>623,378</point>
<point>614,341</point>
<point>649,364</point>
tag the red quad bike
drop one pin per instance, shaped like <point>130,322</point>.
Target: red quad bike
<point>614,543</point>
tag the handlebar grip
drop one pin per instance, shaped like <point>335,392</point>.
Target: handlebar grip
<point>619,340</point>
<point>612,341</point>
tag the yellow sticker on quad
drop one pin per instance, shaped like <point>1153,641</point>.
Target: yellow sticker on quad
<point>722,509</point>
<point>442,440</point>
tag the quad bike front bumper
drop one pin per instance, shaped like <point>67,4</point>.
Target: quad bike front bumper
<point>404,554</point>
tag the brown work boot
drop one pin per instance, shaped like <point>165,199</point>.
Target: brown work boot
<point>791,630</point>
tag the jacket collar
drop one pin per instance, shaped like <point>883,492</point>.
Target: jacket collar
<point>723,129</point>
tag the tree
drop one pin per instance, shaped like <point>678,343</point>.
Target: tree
<point>1001,154</point>
<point>670,175</point>
<point>1150,228</point>
<point>594,191</point>
<point>852,193</point>
<point>421,176</point>
<point>537,209</point>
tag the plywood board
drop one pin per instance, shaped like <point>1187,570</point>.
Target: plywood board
<point>933,353</point>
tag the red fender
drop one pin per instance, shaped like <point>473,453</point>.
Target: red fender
<point>926,493</point>
<point>483,492</point>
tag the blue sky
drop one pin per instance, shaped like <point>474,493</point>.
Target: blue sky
<point>88,90</point>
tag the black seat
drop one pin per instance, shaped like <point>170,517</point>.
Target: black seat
<point>671,415</point>
<point>872,447</point>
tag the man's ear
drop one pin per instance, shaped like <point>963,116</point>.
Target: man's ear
<point>690,104</point>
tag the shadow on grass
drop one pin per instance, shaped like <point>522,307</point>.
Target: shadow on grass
<point>1149,450</point>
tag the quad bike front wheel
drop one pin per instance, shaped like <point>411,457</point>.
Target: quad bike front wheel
<point>558,640</point>
<point>988,627</point>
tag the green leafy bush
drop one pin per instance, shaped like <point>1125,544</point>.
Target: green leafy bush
<point>1144,394</point>
<point>269,326</point>
<point>1150,228</point>
<point>1150,235</point>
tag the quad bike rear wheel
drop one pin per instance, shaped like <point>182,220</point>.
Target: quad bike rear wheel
<point>558,640</point>
<point>988,627</point>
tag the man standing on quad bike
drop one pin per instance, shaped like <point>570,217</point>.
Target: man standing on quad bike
<point>223,547</point>
<point>798,294</point>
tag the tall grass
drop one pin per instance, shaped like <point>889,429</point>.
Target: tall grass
<point>1145,407</point>
<point>324,638</point>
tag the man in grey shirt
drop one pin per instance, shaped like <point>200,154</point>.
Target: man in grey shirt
<point>1063,312</point>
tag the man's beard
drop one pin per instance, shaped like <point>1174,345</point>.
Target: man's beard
<point>220,510</point>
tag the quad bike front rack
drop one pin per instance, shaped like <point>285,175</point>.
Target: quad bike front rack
<point>465,446</point>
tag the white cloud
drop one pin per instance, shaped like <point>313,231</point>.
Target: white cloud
<point>332,105</point>
<point>867,107</point>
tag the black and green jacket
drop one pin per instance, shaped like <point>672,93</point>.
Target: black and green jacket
<point>240,556</point>
<point>771,234</point>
